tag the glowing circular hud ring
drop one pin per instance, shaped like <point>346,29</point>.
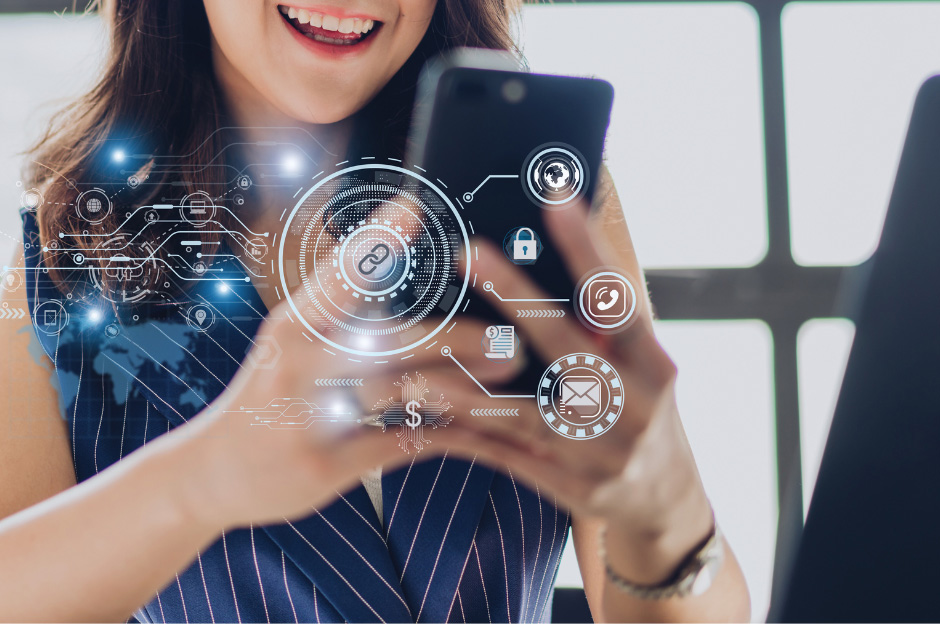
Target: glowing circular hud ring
<point>407,236</point>
<point>617,321</point>
<point>554,175</point>
<point>200,317</point>
<point>50,317</point>
<point>198,209</point>
<point>580,396</point>
<point>93,206</point>
<point>10,280</point>
<point>31,199</point>
<point>128,272</point>
<point>397,284</point>
<point>376,284</point>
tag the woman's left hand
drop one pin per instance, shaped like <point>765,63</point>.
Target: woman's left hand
<point>639,475</point>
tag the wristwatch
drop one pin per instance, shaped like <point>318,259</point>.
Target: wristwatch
<point>693,577</point>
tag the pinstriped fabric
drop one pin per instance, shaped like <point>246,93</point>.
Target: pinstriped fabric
<point>457,541</point>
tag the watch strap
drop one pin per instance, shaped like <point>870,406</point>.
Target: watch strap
<point>693,577</point>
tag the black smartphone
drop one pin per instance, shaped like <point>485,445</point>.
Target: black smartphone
<point>510,145</point>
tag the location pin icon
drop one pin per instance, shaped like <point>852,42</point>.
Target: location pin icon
<point>200,316</point>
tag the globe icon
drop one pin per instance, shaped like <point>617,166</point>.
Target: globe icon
<point>556,175</point>
<point>94,205</point>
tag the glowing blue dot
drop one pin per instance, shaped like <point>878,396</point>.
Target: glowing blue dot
<point>94,316</point>
<point>118,155</point>
<point>223,287</point>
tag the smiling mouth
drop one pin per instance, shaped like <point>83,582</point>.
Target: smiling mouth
<point>331,29</point>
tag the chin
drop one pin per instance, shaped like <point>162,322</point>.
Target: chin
<point>322,103</point>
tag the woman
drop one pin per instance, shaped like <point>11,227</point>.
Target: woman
<point>155,498</point>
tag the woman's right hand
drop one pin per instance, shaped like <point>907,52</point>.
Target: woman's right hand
<point>171,499</point>
<point>249,474</point>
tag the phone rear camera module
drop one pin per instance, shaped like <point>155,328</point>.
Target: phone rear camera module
<point>554,175</point>
<point>513,91</point>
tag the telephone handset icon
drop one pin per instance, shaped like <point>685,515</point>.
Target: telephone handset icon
<point>611,301</point>
<point>607,300</point>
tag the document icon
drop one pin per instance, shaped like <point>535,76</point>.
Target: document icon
<point>499,342</point>
<point>581,396</point>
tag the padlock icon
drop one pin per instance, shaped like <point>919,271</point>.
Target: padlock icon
<point>525,249</point>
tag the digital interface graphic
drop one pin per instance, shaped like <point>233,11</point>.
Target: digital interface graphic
<point>580,396</point>
<point>411,412</point>
<point>554,175</point>
<point>373,251</point>
<point>522,246</point>
<point>375,260</point>
<point>607,302</point>
<point>156,253</point>
<point>500,342</point>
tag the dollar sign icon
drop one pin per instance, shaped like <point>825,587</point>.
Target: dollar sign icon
<point>414,418</point>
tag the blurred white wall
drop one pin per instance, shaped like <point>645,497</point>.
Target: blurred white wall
<point>852,70</point>
<point>44,59</point>
<point>686,145</point>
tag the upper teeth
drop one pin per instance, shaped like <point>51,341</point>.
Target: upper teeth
<point>329,22</point>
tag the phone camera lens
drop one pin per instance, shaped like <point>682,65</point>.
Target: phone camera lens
<point>513,90</point>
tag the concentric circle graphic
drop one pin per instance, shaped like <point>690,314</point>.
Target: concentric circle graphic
<point>10,280</point>
<point>370,259</point>
<point>606,302</point>
<point>31,199</point>
<point>198,209</point>
<point>93,206</point>
<point>554,175</point>
<point>50,317</point>
<point>580,396</point>
<point>126,276</point>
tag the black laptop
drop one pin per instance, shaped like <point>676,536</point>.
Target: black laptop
<point>870,550</point>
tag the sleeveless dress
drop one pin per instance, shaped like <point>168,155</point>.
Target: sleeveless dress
<point>457,541</point>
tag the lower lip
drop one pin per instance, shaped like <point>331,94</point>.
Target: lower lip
<point>328,50</point>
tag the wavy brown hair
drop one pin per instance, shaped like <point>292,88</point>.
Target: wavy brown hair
<point>157,94</point>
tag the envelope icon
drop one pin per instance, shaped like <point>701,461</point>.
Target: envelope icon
<point>581,396</point>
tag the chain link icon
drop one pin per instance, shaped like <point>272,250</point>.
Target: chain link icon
<point>373,259</point>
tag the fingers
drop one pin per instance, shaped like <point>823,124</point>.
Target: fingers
<point>450,385</point>
<point>368,447</point>
<point>519,420</point>
<point>465,341</point>
<point>528,430</point>
<point>569,232</point>
<point>550,337</point>
<point>464,338</point>
<point>591,242</point>
<point>608,225</point>
<point>585,242</point>
<point>464,397</point>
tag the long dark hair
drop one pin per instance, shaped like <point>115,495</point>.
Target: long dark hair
<point>157,94</point>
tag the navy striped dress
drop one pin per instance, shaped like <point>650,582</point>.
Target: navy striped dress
<point>457,541</point>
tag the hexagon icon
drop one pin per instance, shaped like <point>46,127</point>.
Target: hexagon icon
<point>265,353</point>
